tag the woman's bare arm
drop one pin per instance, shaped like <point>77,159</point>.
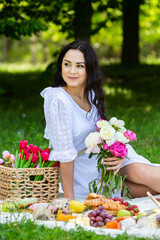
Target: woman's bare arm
<point>67,174</point>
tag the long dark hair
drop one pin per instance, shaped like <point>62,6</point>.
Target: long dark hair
<point>94,76</point>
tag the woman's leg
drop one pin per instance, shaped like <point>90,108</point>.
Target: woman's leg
<point>137,190</point>
<point>142,174</point>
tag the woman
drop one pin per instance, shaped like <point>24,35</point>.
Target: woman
<point>71,109</point>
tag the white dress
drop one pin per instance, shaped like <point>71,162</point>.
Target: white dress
<point>67,126</point>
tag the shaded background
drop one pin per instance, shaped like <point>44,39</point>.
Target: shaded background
<point>126,37</point>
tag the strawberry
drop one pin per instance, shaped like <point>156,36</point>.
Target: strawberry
<point>136,210</point>
<point>121,200</point>
<point>132,213</point>
<point>134,206</point>
<point>116,199</point>
<point>125,204</point>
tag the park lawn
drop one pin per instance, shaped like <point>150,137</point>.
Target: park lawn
<point>129,95</point>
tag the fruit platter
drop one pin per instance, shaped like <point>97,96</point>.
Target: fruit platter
<point>95,212</point>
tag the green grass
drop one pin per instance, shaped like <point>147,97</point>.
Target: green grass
<point>131,94</point>
<point>29,230</point>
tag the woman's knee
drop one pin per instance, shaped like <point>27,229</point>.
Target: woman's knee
<point>135,172</point>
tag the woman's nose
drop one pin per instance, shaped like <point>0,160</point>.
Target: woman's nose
<point>73,69</point>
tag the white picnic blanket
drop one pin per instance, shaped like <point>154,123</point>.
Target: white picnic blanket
<point>144,203</point>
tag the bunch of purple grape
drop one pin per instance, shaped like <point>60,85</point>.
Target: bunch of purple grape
<point>99,217</point>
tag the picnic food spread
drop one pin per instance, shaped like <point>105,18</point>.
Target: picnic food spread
<point>96,211</point>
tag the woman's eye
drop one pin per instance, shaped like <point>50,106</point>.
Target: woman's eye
<point>80,66</point>
<point>67,64</point>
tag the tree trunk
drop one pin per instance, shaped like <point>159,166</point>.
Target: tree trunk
<point>130,46</point>
<point>82,21</point>
<point>4,48</point>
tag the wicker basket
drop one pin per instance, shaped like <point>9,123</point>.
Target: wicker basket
<point>17,183</point>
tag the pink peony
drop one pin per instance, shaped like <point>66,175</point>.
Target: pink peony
<point>1,161</point>
<point>23,144</point>
<point>12,158</point>
<point>6,155</point>
<point>130,135</point>
<point>118,149</point>
<point>105,146</point>
<point>44,156</point>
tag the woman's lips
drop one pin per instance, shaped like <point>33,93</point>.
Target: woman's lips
<point>73,78</point>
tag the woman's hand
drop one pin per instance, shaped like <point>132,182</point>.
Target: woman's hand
<point>114,163</point>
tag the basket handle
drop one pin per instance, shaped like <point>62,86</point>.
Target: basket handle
<point>36,178</point>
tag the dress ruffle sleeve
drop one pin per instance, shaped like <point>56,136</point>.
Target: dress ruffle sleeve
<point>58,127</point>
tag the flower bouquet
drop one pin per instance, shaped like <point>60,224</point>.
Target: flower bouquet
<point>109,140</point>
<point>29,156</point>
<point>29,173</point>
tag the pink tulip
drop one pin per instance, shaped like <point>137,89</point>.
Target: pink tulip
<point>6,155</point>
<point>1,161</point>
<point>12,158</point>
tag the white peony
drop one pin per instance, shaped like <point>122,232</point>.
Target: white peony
<point>122,129</point>
<point>102,123</point>
<point>92,140</point>
<point>111,141</point>
<point>113,120</point>
<point>121,138</point>
<point>117,123</point>
<point>107,132</point>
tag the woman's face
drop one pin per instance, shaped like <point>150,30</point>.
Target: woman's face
<point>74,69</point>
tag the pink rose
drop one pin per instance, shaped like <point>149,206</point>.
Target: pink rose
<point>105,146</point>
<point>6,155</point>
<point>44,156</point>
<point>118,149</point>
<point>12,158</point>
<point>23,144</point>
<point>1,161</point>
<point>34,158</point>
<point>130,135</point>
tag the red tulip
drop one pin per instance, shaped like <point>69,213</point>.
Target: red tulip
<point>34,158</point>
<point>44,156</point>
<point>35,149</point>
<point>23,144</point>
<point>47,150</point>
<point>27,156</point>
